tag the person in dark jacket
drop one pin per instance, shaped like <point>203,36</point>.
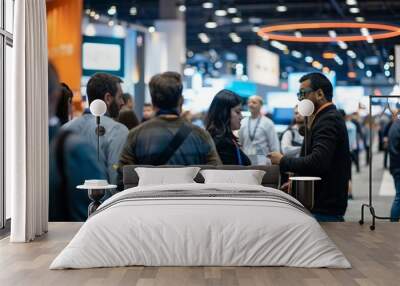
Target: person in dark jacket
<point>151,143</point>
<point>71,161</point>
<point>328,154</point>
<point>64,104</point>
<point>394,155</point>
<point>224,116</point>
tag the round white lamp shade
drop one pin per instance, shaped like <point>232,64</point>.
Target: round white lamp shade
<point>98,107</point>
<point>306,107</point>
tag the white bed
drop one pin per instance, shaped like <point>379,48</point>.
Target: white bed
<point>201,225</point>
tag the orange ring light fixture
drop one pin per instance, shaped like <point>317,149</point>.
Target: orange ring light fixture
<point>268,32</point>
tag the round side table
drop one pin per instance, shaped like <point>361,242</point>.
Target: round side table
<point>303,188</point>
<point>95,193</point>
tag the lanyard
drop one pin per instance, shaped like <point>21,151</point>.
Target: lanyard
<point>326,105</point>
<point>238,155</point>
<point>252,136</point>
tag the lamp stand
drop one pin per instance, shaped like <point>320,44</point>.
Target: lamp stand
<point>100,131</point>
<point>305,135</point>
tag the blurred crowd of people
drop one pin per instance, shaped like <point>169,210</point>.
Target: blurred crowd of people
<point>165,135</point>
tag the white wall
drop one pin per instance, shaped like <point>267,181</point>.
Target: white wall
<point>176,43</point>
<point>156,57</point>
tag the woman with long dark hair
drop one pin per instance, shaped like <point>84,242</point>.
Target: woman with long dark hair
<point>223,118</point>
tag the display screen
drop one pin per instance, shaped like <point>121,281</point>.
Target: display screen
<point>102,54</point>
<point>283,115</point>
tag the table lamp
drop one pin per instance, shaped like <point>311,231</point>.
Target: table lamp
<point>98,108</point>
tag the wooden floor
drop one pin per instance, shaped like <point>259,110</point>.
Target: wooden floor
<point>374,255</point>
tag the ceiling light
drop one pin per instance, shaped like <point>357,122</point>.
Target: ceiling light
<point>97,17</point>
<point>309,59</point>
<point>281,8</point>
<point>391,64</point>
<point>133,11</point>
<point>182,8</point>
<point>360,19</point>
<point>351,2</point>
<point>386,66</point>
<point>211,24</point>
<point>220,13</point>
<point>204,38</point>
<point>255,29</point>
<point>368,73</point>
<point>391,57</point>
<point>317,65</point>
<point>90,30</point>
<point>232,10</point>
<point>387,73</point>
<point>112,11</point>
<point>279,45</point>
<point>351,54</point>
<point>92,13</point>
<point>354,10</point>
<point>328,55</point>
<point>342,45</point>
<point>296,54</point>
<point>280,31</point>
<point>87,11</point>
<point>351,74</point>
<point>152,29</point>
<point>370,40</point>
<point>298,34</point>
<point>364,32</point>
<point>237,39</point>
<point>360,64</point>
<point>332,33</point>
<point>236,20</point>
<point>338,60</point>
<point>208,5</point>
<point>111,23</point>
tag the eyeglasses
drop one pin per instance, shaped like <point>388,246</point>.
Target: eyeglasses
<point>303,92</point>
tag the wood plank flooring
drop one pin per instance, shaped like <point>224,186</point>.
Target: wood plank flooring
<point>374,255</point>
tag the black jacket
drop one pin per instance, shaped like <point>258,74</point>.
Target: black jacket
<point>227,151</point>
<point>394,147</point>
<point>329,158</point>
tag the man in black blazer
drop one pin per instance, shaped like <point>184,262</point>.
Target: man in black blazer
<point>328,154</point>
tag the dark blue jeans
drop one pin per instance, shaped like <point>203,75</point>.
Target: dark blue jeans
<point>395,212</point>
<point>328,218</point>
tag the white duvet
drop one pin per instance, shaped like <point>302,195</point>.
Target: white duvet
<point>203,231</point>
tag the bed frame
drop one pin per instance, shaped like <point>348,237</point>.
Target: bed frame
<point>271,178</point>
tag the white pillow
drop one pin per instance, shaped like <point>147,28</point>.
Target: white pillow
<point>166,176</point>
<point>248,177</point>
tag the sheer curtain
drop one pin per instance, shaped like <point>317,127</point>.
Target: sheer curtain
<point>27,123</point>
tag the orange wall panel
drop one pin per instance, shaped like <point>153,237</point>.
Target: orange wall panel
<point>64,19</point>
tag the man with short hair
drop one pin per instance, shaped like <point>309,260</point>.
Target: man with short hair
<point>257,133</point>
<point>291,138</point>
<point>168,139</point>
<point>107,88</point>
<point>128,101</point>
<point>148,112</point>
<point>394,152</point>
<point>71,162</point>
<point>328,154</point>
